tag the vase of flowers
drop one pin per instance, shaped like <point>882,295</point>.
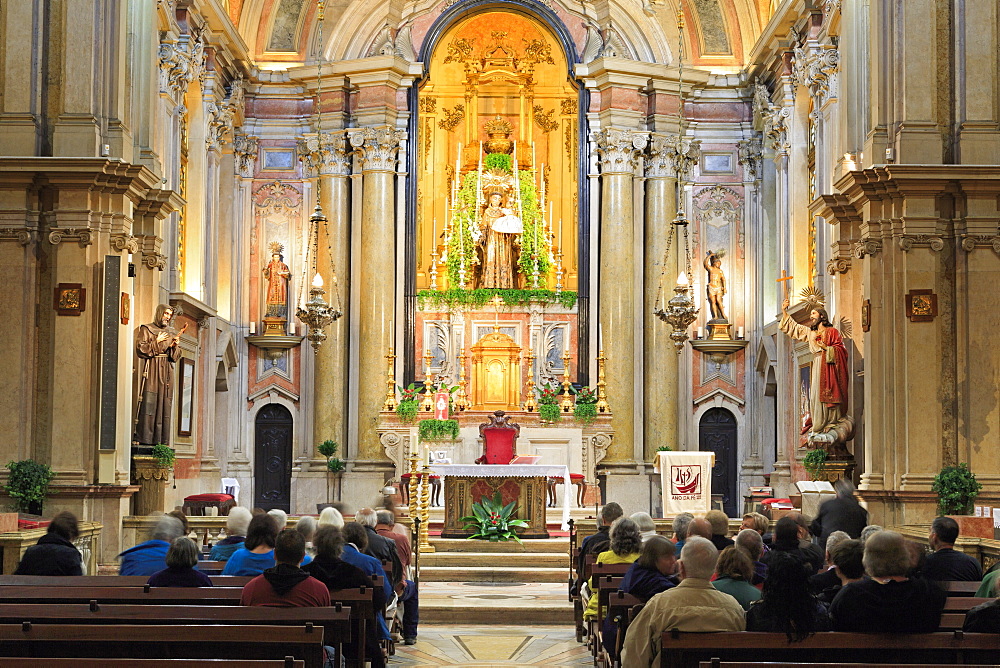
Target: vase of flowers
<point>492,521</point>
<point>585,409</point>
<point>548,404</point>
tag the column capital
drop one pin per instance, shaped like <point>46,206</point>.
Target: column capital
<point>329,157</point>
<point>245,149</point>
<point>619,149</point>
<point>672,155</point>
<point>377,147</point>
<point>815,66</point>
<point>750,154</point>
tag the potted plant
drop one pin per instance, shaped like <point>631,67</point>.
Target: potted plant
<point>814,462</point>
<point>491,520</point>
<point>409,403</point>
<point>957,489</point>
<point>164,456</point>
<point>28,485</point>
<point>585,409</point>
<point>437,430</point>
<point>334,466</point>
<point>548,403</point>
<point>152,472</point>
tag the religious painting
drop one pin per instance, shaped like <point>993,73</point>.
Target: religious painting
<point>70,299</point>
<point>186,398</point>
<point>126,308</point>
<point>866,315</point>
<point>497,146</point>
<point>921,305</point>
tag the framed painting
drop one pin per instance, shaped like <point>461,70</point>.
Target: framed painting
<point>70,299</point>
<point>921,305</point>
<point>186,399</point>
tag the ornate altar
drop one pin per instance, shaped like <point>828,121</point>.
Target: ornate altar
<point>496,373</point>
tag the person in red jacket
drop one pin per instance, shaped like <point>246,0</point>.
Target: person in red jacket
<point>286,585</point>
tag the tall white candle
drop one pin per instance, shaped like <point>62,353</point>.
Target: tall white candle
<point>291,329</point>
<point>253,327</point>
<point>739,333</point>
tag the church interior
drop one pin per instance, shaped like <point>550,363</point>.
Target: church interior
<point>314,252</point>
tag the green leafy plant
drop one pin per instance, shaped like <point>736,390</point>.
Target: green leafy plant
<point>437,430</point>
<point>28,483</point>
<point>328,449</point>
<point>664,448</point>
<point>409,403</point>
<point>957,489</point>
<point>585,409</point>
<point>814,462</point>
<point>335,465</point>
<point>446,300</point>
<point>548,403</point>
<point>165,455</point>
<point>491,520</point>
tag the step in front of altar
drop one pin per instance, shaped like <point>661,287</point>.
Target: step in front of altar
<point>472,559</point>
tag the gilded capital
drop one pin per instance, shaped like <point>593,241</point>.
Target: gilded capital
<point>377,147</point>
<point>619,149</point>
<point>329,157</point>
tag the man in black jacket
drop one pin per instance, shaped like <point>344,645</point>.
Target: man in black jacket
<point>945,563</point>
<point>841,513</point>
<point>54,554</point>
<point>788,537</point>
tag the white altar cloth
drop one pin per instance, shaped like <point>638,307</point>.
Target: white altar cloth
<point>512,471</point>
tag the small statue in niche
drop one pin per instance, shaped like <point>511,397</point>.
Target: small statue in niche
<point>277,275</point>
<point>716,284</point>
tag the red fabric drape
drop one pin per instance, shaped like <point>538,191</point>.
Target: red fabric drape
<point>833,376</point>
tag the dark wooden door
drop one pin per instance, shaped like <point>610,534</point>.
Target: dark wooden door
<point>273,458</point>
<point>717,433</point>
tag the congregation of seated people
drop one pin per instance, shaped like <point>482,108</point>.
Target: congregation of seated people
<point>775,578</point>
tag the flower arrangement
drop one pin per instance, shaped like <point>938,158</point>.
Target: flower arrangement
<point>585,409</point>
<point>491,520</point>
<point>548,403</point>
<point>409,403</point>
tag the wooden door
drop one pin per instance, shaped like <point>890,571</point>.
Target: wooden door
<point>717,433</point>
<point>273,458</point>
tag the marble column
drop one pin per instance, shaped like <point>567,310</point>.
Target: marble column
<point>332,162</point>
<point>377,148</point>
<point>660,408</point>
<point>618,151</point>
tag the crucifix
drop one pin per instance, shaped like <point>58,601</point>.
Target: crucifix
<point>784,282</point>
<point>496,301</point>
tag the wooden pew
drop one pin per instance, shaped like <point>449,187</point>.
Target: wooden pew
<point>687,650</point>
<point>961,588</point>
<point>211,568</point>
<point>122,595</point>
<point>120,641</point>
<point>287,662</point>
<point>107,580</point>
<point>362,616</point>
<point>963,603</point>
<point>605,584</point>
<point>619,605</point>
<point>335,620</point>
<point>593,569</point>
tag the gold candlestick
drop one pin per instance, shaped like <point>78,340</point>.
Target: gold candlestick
<point>434,268</point>
<point>529,385</point>
<point>566,404</point>
<point>411,503</point>
<point>461,397</point>
<point>390,382</point>
<point>428,403</point>
<point>602,396</point>
<point>425,509</point>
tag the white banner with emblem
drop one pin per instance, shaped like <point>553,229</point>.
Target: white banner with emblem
<point>686,478</point>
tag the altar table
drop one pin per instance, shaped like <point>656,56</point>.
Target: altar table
<point>465,484</point>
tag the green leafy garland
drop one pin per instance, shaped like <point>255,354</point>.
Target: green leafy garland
<point>465,218</point>
<point>491,520</point>
<point>437,430</point>
<point>445,300</point>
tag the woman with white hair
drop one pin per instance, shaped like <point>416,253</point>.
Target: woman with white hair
<point>236,529</point>
<point>331,517</point>
<point>645,523</point>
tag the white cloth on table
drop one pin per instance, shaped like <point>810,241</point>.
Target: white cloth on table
<point>686,479</point>
<point>231,486</point>
<point>515,471</point>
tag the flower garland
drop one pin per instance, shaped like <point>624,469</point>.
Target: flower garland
<point>446,300</point>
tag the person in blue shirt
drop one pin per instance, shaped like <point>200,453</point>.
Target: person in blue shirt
<point>356,537</point>
<point>236,529</point>
<point>151,557</point>
<point>257,553</point>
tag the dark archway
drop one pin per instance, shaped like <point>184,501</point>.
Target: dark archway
<point>273,458</point>
<point>717,433</point>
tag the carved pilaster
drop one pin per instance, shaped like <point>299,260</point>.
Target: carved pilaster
<point>331,157</point>
<point>867,247</point>
<point>974,241</point>
<point>750,154</point>
<point>815,67</point>
<point>222,117</point>
<point>149,246</point>
<point>245,149</point>
<point>776,129</point>
<point>619,149</point>
<point>377,147</point>
<point>181,62</point>
<point>82,235</point>
<point>838,265</point>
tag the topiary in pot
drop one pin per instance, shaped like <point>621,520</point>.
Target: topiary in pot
<point>957,489</point>
<point>28,484</point>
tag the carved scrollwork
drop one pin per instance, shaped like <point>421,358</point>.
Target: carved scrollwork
<point>377,147</point>
<point>867,247</point>
<point>82,235</point>
<point>601,442</point>
<point>544,120</point>
<point>815,67</point>
<point>332,156</point>
<point>125,242</point>
<point>221,117</point>
<point>154,261</point>
<point>908,241</point>
<point>838,265</point>
<point>750,154</point>
<point>671,155</point>
<point>245,149</point>
<point>22,235</point>
<point>974,241</point>
<point>452,117</point>
<point>776,128</point>
<point>619,149</point>
<point>181,62</point>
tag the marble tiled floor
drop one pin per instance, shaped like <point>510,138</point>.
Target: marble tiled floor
<point>484,646</point>
<point>483,603</point>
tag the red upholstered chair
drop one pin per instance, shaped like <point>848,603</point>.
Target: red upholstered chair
<point>499,439</point>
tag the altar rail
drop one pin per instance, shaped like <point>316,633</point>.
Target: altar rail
<point>14,543</point>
